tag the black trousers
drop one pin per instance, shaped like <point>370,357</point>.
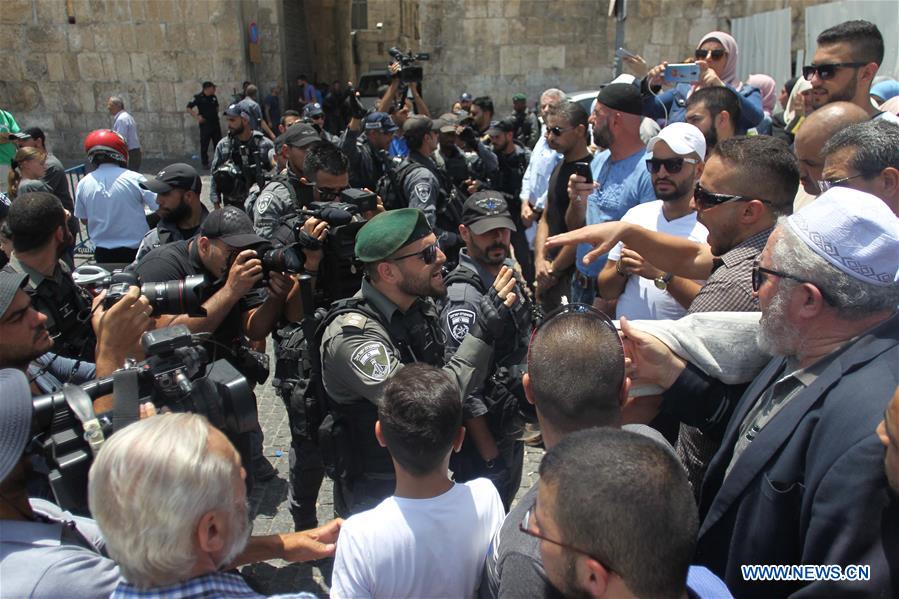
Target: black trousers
<point>209,132</point>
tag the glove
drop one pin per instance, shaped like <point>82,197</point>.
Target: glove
<point>469,138</point>
<point>357,110</point>
<point>497,472</point>
<point>307,241</point>
<point>491,321</point>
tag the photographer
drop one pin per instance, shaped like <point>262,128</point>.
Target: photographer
<point>40,236</point>
<point>281,195</point>
<point>237,308</point>
<point>180,210</point>
<point>241,159</point>
<point>366,142</point>
<point>48,552</point>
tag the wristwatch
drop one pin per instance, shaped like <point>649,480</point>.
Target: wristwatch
<point>661,281</point>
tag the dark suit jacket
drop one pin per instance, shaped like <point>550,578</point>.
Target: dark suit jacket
<point>811,488</point>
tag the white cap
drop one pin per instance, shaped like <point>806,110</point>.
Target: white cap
<point>682,138</point>
<point>854,231</point>
<point>623,78</point>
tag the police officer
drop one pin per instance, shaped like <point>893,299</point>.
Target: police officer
<point>527,127</point>
<point>40,237</point>
<point>283,195</point>
<point>492,422</point>
<point>206,104</point>
<point>365,142</point>
<point>241,159</point>
<point>392,321</point>
<point>180,210</point>
<point>450,158</point>
<point>424,186</point>
<point>315,116</point>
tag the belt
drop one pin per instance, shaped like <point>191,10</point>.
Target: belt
<point>586,282</point>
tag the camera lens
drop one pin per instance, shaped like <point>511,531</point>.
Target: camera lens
<point>177,297</point>
<point>283,259</point>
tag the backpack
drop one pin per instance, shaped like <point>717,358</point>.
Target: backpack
<point>390,185</point>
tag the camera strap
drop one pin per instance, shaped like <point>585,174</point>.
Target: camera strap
<point>83,408</point>
<point>126,397</point>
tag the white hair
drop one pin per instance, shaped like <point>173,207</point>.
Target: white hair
<point>851,298</point>
<point>148,488</point>
<point>554,93</point>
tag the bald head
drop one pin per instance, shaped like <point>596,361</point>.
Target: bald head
<point>818,127</point>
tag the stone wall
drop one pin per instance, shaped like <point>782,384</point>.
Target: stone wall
<point>401,28</point>
<point>153,53</point>
<point>500,47</point>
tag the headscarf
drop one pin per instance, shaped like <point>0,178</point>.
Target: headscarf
<point>729,73</point>
<point>768,88</point>
<point>886,89</point>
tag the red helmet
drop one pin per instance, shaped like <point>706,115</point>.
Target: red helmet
<point>106,142</point>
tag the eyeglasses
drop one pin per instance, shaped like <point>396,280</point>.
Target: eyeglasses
<point>672,165</point>
<point>700,54</point>
<point>427,255</point>
<point>328,194</point>
<point>824,184</point>
<point>760,275</point>
<point>557,131</point>
<point>525,527</point>
<point>576,308</point>
<point>706,199</point>
<point>827,71</point>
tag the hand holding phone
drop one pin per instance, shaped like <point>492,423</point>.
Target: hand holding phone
<point>681,73</point>
<point>583,169</point>
<point>622,53</point>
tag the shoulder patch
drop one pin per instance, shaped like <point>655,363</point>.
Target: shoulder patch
<point>371,360</point>
<point>263,202</point>
<point>354,320</point>
<point>459,321</point>
<point>422,192</point>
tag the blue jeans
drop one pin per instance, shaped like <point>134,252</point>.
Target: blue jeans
<point>579,294</point>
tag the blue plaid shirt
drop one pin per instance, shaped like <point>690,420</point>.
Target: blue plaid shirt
<point>217,585</point>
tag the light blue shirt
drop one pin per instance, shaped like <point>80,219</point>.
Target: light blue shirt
<point>124,125</point>
<point>398,147</point>
<point>536,178</point>
<point>113,202</point>
<point>622,185</point>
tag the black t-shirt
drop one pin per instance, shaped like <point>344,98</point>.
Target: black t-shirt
<point>557,196</point>
<point>207,106</point>
<point>180,259</point>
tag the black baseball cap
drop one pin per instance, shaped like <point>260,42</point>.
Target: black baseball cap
<point>506,125</point>
<point>485,211</point>
<point>10,283</point>
<point>238,111</point>
<point>300,135</point>
<point>34,133</point>
<point>20,135</point>
<point>174,176</point>
<point>231,225</point>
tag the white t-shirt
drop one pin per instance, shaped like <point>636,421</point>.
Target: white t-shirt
<point>641,299</point>
<point>419,547</point>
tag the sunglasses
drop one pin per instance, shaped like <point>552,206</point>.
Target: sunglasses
<point>707,199</point>
<point>525,527</point>
<point>824,184</point>
<point>576,308</point>
<point>827,71</point>
<point>427,255</point>
<point>672,165</point>
<point>557,131</point>
<point>329,195</point>
<point>700,54</point>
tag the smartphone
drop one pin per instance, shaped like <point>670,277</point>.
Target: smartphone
<point>583,169</point>
<point>622,53</point>
<point>681,73</point>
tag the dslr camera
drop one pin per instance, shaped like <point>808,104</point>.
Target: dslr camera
<point>176,374</point>
<point>184,296</point>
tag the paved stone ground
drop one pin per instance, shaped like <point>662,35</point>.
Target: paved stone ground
<point>268,502</point>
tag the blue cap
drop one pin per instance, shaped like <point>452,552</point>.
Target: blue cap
<point>380,121</point>
<point>312,110</point>
<point>465,97</point>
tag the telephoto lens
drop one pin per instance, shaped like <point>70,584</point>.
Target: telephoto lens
<point>177,297</point>
<point>281,259</point>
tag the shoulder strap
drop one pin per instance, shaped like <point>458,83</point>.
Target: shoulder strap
<point>461,274</point>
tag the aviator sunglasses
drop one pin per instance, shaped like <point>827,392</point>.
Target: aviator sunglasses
<point>827,71</point>
<point>700,54</point>
<point>672,165</point>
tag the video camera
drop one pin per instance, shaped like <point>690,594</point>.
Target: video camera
<point>176,374</point>
<point>409,71</point>
<point>185,296</point>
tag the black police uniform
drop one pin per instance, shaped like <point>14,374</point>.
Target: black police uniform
<point>210,128</point>
<point>507,179</point>
<point>181,259</point>
<point>66,306</point>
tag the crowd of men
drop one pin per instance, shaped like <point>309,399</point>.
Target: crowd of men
<point>686,295</point>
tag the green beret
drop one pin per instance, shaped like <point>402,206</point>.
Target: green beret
<point>386,233</point>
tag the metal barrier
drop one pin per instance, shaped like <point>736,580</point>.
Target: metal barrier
<point>83,246</point>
